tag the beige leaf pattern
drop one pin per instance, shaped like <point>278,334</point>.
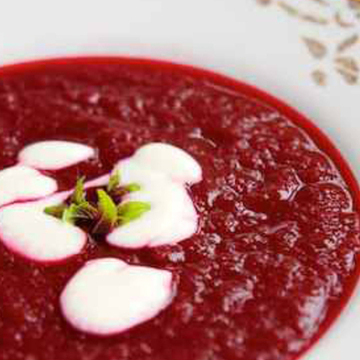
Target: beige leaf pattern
<point>326,12</point>
<point>316,48</point>
<point>348,43</point>
<point>319,77</point>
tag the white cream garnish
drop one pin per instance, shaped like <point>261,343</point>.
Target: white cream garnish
<point>18,183</point>
<point>53,155</point>
<point>162,171</point>
<point>169,160</point>
<point>28,231</point>
<point>108,296</point>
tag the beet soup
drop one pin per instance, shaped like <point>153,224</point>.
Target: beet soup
<point>266,266</point>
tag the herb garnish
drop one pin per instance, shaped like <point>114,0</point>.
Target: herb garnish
<point>114,181</point>
<point>131,210</point>
<point>108,211</point>
<point>103,214</point>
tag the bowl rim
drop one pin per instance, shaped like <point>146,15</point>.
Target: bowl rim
<point>315,133</point>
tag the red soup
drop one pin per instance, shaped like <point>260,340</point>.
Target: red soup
<point>274,258</point>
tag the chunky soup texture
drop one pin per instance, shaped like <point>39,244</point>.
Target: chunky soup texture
<point>275,255</point>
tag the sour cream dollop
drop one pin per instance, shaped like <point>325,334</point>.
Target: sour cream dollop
<point>108,296</point>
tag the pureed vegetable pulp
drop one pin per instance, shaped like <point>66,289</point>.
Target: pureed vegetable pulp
<point>274,258</point>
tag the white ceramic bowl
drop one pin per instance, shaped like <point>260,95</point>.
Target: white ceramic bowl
<point>234,37</point>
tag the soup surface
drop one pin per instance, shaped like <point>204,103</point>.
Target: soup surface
<point>274,258</point>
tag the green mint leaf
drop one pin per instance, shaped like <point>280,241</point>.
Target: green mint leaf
<point>114,181</point>
<point>70,214</point>
<point>132,187</point>
<point>87,210</point>
<point>132,210</point>
<point>56,210</point>
<point>103,216</point>
<point>75,212</point>
<point>78,195</point>
<point>107,208</point>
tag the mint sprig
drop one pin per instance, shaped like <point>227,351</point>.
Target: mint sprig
<point>114,181</point>
<point>56,210</point>
<point>107,208</point>
<point>70,214</point>
<point>132,187</point>
<point>132,210</point>
<point>103,215</point>
<point>78,195</point>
